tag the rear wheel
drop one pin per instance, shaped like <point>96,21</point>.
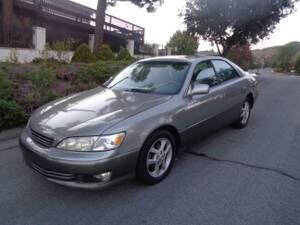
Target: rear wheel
<point>156,158</point>
<point>244,117</point>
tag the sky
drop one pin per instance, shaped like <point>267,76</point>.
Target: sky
<point>161,24</point>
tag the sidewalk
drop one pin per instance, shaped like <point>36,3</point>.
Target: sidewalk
<point>9,138</point>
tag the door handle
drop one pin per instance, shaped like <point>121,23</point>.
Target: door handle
<point>220,96</point>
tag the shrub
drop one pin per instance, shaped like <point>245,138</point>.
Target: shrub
<point>42,77</point>
<point>50,63</point>
<point>11,115</point>
<point>13,57</point>
<point>41,92</point>
<point>124,54</point>
<point>297,64</point>
<point>241,55</point>
<point>95,74</point>
<point>83,54</point>
<point>105,53</point>
<point>6,87</point>
<point>62,48</point>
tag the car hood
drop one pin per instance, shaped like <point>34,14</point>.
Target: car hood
<point>91,112</point>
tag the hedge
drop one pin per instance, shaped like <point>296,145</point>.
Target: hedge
<point>24,88</point>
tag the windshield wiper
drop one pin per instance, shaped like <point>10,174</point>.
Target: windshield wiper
<point>139,90</point>
<point>125,78</point>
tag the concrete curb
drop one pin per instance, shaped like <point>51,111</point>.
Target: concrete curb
<point>9,138</point>
<point>10,134</point>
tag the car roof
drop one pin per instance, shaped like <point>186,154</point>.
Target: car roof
<point>180,58</point>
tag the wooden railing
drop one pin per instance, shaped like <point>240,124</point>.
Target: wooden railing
<point>84,15</point>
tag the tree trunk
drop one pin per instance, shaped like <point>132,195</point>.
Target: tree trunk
<point>226,50</point>
<point>218,47</point>
<point>7,18</point>
<point>100,21</point>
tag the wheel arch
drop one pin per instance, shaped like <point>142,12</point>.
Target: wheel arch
<point>250,96</point>
<point>172,129</point>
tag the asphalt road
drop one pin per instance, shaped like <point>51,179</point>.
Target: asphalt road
<point>250,176</point>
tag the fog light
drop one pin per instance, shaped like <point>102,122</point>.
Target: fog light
<point>103,176</point>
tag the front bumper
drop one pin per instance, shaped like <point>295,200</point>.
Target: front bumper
<point>77,169</point>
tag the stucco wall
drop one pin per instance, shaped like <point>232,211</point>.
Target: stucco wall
<point>27,55</point>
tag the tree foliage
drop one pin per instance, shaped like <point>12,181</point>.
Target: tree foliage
<point>184,43</point>
<point>83,54</point>
<point>150,5</point>
<point>124,54</point>
<point>285,59</point>
<point>241,55</point>
<point>104,53</point>
<point>297,64</point>
<point>235,22</point>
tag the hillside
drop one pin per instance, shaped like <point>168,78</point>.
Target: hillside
<point>281,57</point>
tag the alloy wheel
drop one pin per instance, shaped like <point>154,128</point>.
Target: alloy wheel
<point>159,157</point>
<point>245,112</point>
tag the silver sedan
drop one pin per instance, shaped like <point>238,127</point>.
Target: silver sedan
<point>137,122</point>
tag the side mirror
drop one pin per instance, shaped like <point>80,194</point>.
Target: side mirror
<point>199,89</point>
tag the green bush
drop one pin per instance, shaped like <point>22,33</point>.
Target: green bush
<point>297,64</point>
<point>50,63</point>
<point>124,54</point>
<point>11,115</point>
<point>6,86</point>
<point>42,91</point>
<point>83,54</point>
<point>97,73</point>
<point>105,53</point>
<point>42,77</point>
<point>24,88</point>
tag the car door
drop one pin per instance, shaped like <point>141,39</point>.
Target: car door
<point>231,85</point>
<point>199,110</point>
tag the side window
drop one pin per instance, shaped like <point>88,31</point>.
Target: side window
<point>204,74</point>
<point>224,71</point>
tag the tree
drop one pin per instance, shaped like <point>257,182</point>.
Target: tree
<point>100,17</point>
<point>184,43</point>
<point>7,18</point>
<point>228,23</point>
<point>284,59</point>
<point>297,64</point>
<point>241,55</point>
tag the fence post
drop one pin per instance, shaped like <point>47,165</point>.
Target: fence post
<point>91,41</point>
<point>39,38</point>
<point>130,47</point>
<point>169,51</point>
<point>155,49</point>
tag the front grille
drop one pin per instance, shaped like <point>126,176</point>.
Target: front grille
<point>52,174</point>
<point>41,139</point>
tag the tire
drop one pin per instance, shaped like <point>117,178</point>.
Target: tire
<point>156,158</point>
<point>245,114</point>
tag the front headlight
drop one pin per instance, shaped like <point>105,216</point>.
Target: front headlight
<point>94,143</point>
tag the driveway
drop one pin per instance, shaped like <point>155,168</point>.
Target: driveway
<point>249,176</point>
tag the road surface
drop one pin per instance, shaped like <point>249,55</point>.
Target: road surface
<point>249,176</point>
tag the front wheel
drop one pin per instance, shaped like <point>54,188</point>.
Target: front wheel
<point>244,117</point>
<point>156,158</point>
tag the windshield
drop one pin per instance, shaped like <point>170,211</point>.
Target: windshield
<point>152,77</point>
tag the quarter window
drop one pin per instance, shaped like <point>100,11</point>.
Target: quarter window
<point>224,71</point>
<point>204,74</point>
